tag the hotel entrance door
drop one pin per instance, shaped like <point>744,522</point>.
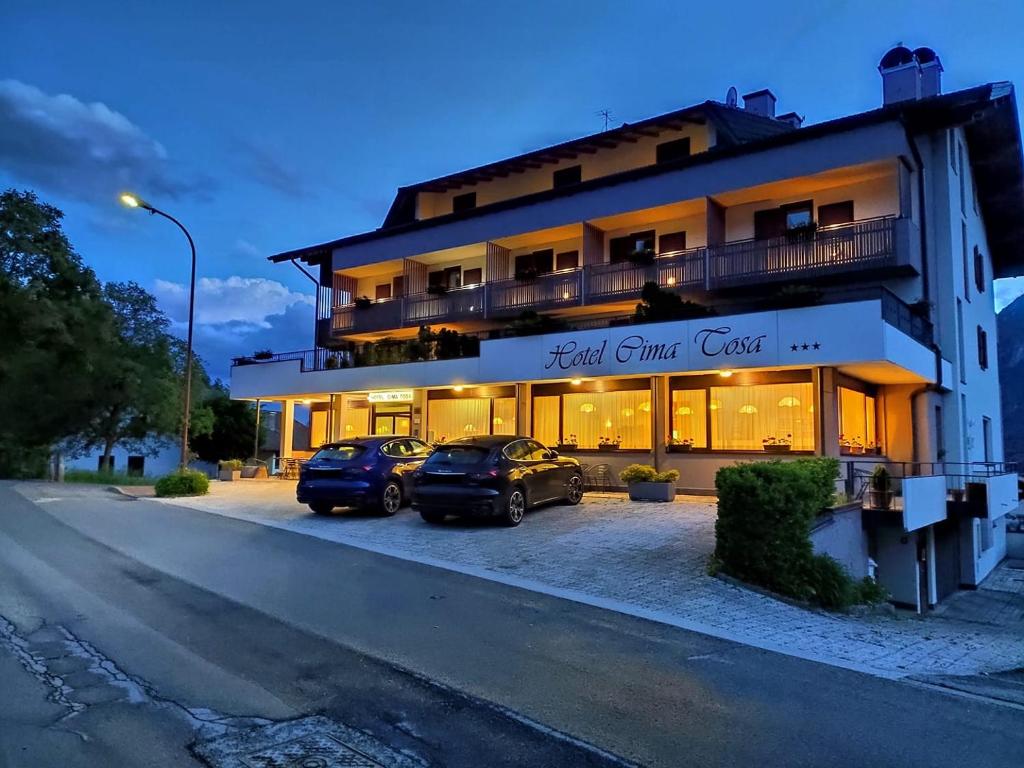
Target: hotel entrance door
<point>391,419</point>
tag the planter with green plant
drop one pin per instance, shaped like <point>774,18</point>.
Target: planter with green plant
<point>772,444</point>
<point>645,483</point>
<point>262,354</point>
<point>676,445</point>
<point>230,469</point>
<point>880,489</point>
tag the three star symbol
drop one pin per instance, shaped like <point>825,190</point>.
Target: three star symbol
<point>805,346</point>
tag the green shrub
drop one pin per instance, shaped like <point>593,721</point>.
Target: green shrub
<point>830,584</point>
<point>638,473</point>
<point>188,482</point>
<point>668,476</point>
<point>233,464</point>
<point>824,471</point>
<point>870,592</point>
<point>765,511</point>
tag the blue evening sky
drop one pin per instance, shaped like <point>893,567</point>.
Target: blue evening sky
<point>269,126</point>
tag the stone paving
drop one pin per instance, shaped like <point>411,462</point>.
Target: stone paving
<point>647,560</point>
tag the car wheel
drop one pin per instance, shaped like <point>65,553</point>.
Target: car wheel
<point>431,516</point>
<point>391,498</point>
<point>321,508</point>
<point>515,507</point>
<point>574,490</point>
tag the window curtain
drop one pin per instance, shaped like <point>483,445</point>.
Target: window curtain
<point>689,417</point>
<point>617,417</point>
<point>451,419</point>
<point>545,420</point>
<point>504,421</point>
<point>317,428</point>
<point>857,418</point>
<point>742,418</point>
<point>356,422</point>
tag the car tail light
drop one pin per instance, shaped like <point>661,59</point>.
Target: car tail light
<point>482,477</point>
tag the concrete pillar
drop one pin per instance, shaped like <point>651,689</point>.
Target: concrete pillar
<point>660,417</point>
<point>419,414</point>
<point>524,410</point>
<point>826,426</point>
<point>287,428</point>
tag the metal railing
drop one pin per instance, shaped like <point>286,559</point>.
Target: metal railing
<point>548,291</point>
<point>454,304</point>
<point>957,474</point>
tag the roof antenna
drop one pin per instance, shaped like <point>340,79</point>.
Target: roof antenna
<point>606,114</point>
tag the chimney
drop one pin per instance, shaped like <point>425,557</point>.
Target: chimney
<point>760,103</point>
<point>910,75</point>
<point>792,118</point>
<point>931,72</point>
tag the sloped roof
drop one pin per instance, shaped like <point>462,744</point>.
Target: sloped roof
<point>988,112</point>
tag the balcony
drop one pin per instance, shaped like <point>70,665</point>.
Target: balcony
<point>550,291</point>
<point>456,304</point>
<point>878,247</point>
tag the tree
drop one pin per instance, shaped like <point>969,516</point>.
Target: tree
<point>139,401</point>
<point>233,433</point>
<point>657,305</point>
<point>52,322</point>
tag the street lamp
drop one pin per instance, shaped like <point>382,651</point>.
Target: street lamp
<point>134,201</point>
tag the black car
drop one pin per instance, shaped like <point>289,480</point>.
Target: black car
<point>498,475</point>
<point>363,472</point>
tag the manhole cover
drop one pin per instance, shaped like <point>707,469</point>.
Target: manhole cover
<point>312,742</point>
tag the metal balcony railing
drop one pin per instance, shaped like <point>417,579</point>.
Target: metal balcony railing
<point>455,304</point>
<point>549,291</point>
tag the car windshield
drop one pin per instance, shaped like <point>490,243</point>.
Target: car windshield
<point>340,452</point>
<point>457,454</point>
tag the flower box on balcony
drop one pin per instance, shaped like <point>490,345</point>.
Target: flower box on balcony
<point>363,302</point>
<point>526,275</point>
<point>437,290</point>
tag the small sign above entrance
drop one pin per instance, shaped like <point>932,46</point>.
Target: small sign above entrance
<point>391,396</point>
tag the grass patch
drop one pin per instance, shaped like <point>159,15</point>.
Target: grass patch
<point>105,478</point>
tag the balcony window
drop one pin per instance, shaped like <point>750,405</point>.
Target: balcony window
<point>671,242</point>
<point>622,249</point>
<point>857,422</point>
<point>669,151</point>
<point>835,214</point>
<point>613,420</point>
<point>566,177</point>
<point>536,263</point>
<point>464,202</point>
<point>743,417</point>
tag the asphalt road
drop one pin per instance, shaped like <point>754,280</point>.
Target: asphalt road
<point>195,619</point>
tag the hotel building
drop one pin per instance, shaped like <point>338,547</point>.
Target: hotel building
<point>812,290</point>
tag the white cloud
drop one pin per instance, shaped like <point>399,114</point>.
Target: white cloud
<point>1007,290</point>
<point>86,151</point>
<point>244,303</point>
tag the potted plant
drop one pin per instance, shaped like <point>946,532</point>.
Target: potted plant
<point>571,443</point>
<point>772,444</point>
<point>641,257</point>
<point>527,273</point>
<point>230,469</point>
<point>363,302</point>
<point>645,483</point>
<point>676,445</point>
<point>436,289</point>
<point>880,489</point>
<point>802,232</point>
<point>332,363</point>
<point>262,354</point>
<point>607,444</point>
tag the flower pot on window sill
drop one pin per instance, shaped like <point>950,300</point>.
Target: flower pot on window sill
<point>652,491</point>
<point>777,448</point>
<point>673,448</point>
<point>608,446</point>
<point>567,447</point>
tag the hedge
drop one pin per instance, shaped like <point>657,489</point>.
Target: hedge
<point>188,482</point>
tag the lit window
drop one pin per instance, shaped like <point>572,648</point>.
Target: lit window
<point>857,427</point>
<point>470,416</point>
<point>748,418</point>
<point>689,418</point>
<point>592,420</point>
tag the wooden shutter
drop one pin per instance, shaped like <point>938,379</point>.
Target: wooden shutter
<point>835,213</point>
<point>672,242</point>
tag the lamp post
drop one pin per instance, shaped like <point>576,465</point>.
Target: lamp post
<point>134,201</point>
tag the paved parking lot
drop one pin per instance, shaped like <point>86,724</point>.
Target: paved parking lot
<point>648,560</point>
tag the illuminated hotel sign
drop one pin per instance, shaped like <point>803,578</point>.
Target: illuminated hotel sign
<point>391,396</point>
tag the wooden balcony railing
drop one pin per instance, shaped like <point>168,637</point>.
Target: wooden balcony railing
<point>551,291</point>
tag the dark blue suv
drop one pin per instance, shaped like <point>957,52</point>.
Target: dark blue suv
<point>373,472</point>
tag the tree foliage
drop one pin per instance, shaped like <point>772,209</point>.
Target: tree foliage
<point>233,431</point>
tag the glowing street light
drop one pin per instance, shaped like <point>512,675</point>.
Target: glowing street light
<point>134,201</point>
